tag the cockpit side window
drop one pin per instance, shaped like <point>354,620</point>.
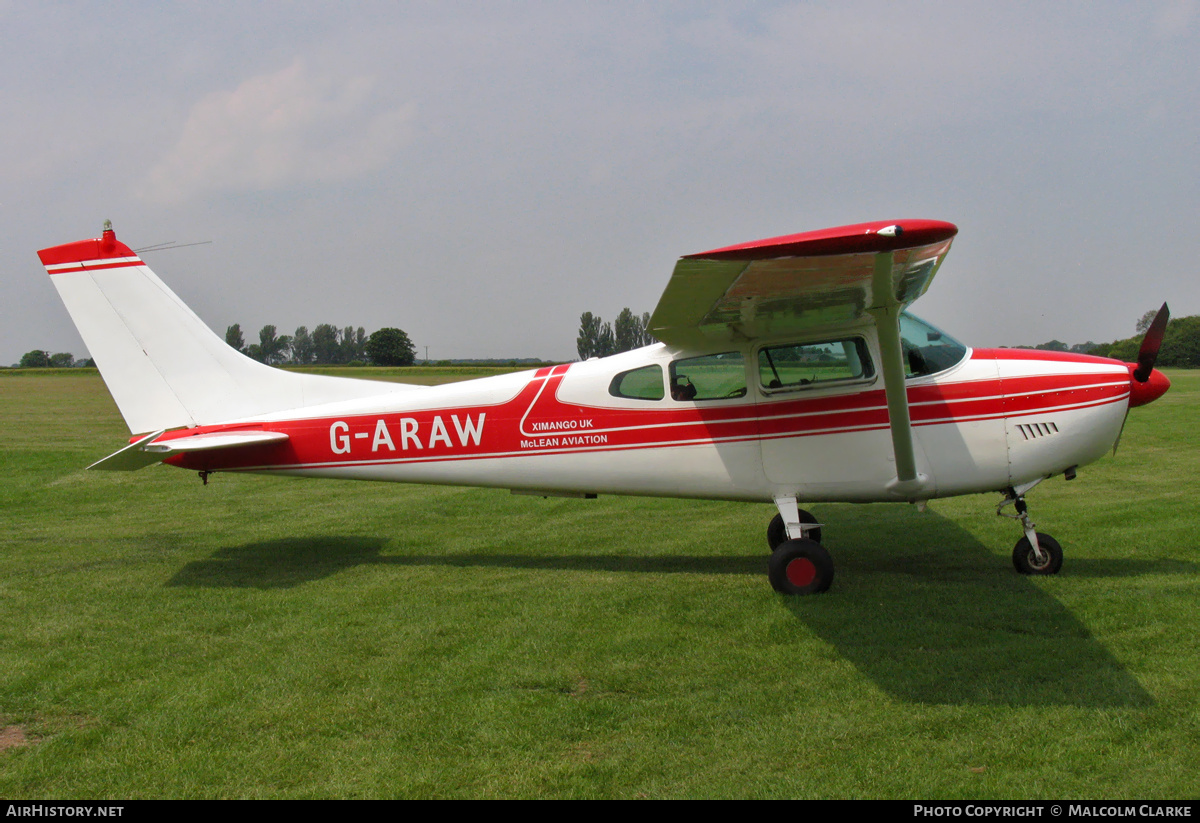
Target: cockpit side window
<point>927,350</point>
<point>645,383</point>
<point>711,377</point>
<point>790,367</point>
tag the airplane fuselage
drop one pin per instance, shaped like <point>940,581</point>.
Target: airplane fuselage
<point>996,419</point>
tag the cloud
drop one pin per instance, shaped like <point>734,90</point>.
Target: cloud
<point>278,130</point>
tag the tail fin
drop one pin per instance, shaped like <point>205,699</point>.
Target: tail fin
<point>164,367</point>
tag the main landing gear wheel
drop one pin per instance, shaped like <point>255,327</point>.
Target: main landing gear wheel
<point>800,567</point>
<point>777,532</point>
<point>1026,559</point>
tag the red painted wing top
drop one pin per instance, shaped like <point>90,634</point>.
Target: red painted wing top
<point>784,285</point>
<point>861,238</point>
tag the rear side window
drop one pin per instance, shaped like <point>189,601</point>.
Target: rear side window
<point>645,383</point>
<point>785,368</point>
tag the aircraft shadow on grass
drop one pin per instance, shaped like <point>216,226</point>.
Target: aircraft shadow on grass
<point>944,621</point>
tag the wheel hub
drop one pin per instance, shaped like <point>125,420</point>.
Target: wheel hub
<point>801,572</point>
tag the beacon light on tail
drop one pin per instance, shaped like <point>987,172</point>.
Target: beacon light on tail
<point>788,371</point>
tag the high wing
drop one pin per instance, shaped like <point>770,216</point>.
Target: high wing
<point>784,285</point>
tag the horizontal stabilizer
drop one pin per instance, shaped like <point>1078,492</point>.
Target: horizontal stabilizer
<point>215,440</point>
<point>145,452</point>
<point>131,458</point>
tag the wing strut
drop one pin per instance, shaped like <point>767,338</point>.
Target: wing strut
<point>886,314</point>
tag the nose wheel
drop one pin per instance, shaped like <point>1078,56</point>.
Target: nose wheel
<point>1028,561</point>
<point>1035,553</point>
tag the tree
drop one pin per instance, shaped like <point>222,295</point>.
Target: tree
<point>62,360</point>
<point>1143,324</point>
<point>599,339</point>
<point>629,331</point>
<point>589,334</point>
<point>647,337</point>
<point>36,359</point>
<point>353,344</point>
<point>325,343</point>
<point>271,347</point>
<point>625,330</point>
<point>302,346</point>
<point>391,347</point>
<point>1125,350</point>
<point>233,336</point>
<point>606,341</point>
<point>1181,343</point>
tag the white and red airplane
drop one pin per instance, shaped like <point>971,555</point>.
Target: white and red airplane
<point>788,372</point>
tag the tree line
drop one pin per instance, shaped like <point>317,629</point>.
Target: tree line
<point>599,339</point>
<point>1180,345</point>
<point>40,359</point>
<point>326,345</point>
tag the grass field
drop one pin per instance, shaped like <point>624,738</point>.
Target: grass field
<point>273,637</point>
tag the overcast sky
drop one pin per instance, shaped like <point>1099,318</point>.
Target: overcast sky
<point>480,174</point>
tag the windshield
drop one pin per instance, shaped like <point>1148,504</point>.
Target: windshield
<point>927,350</point>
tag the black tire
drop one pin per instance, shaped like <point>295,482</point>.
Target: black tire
<point>800,567</point>
<point>1026,561</point>
<point>776,533</point>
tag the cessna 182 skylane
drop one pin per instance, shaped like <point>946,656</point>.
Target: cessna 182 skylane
<point>788,371</point>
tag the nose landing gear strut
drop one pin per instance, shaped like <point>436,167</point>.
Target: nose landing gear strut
<point>1035,553</point>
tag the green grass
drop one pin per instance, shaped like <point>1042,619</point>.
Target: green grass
<point>273,637</point>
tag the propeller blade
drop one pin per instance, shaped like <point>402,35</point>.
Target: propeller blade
<point>1151,344</point>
